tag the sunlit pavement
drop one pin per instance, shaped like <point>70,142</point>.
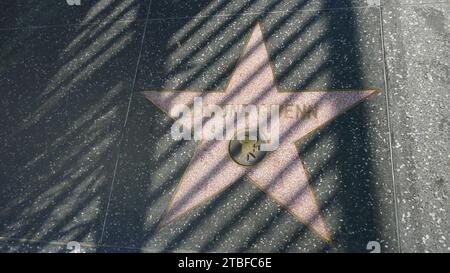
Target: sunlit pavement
<point>86,157</point>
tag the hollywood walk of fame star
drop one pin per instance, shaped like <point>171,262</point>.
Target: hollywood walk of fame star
<point>281,175</point>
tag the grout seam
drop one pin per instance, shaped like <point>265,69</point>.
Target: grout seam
<point>217,15</point>
<point>125,122</point>
<point>394,187</point>
<point>90,245</point>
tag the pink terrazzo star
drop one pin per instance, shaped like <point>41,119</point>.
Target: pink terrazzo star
<point>281,174</point>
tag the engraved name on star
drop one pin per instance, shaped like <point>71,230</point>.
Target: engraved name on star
<point>281,175</point>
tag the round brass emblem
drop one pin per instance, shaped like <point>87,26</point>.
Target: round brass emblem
<point>246,152</point>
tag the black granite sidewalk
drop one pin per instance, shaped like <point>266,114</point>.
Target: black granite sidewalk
<point>85,157</point>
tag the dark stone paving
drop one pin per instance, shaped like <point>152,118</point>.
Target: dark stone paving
<point>64,99</point>
<point>204,62</point>
<point>26,13</point>
<point>200,8</point>
<point>340,49</point>
<point>66,94</point>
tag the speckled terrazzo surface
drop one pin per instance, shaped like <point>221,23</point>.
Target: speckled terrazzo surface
<point>86,157</point>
